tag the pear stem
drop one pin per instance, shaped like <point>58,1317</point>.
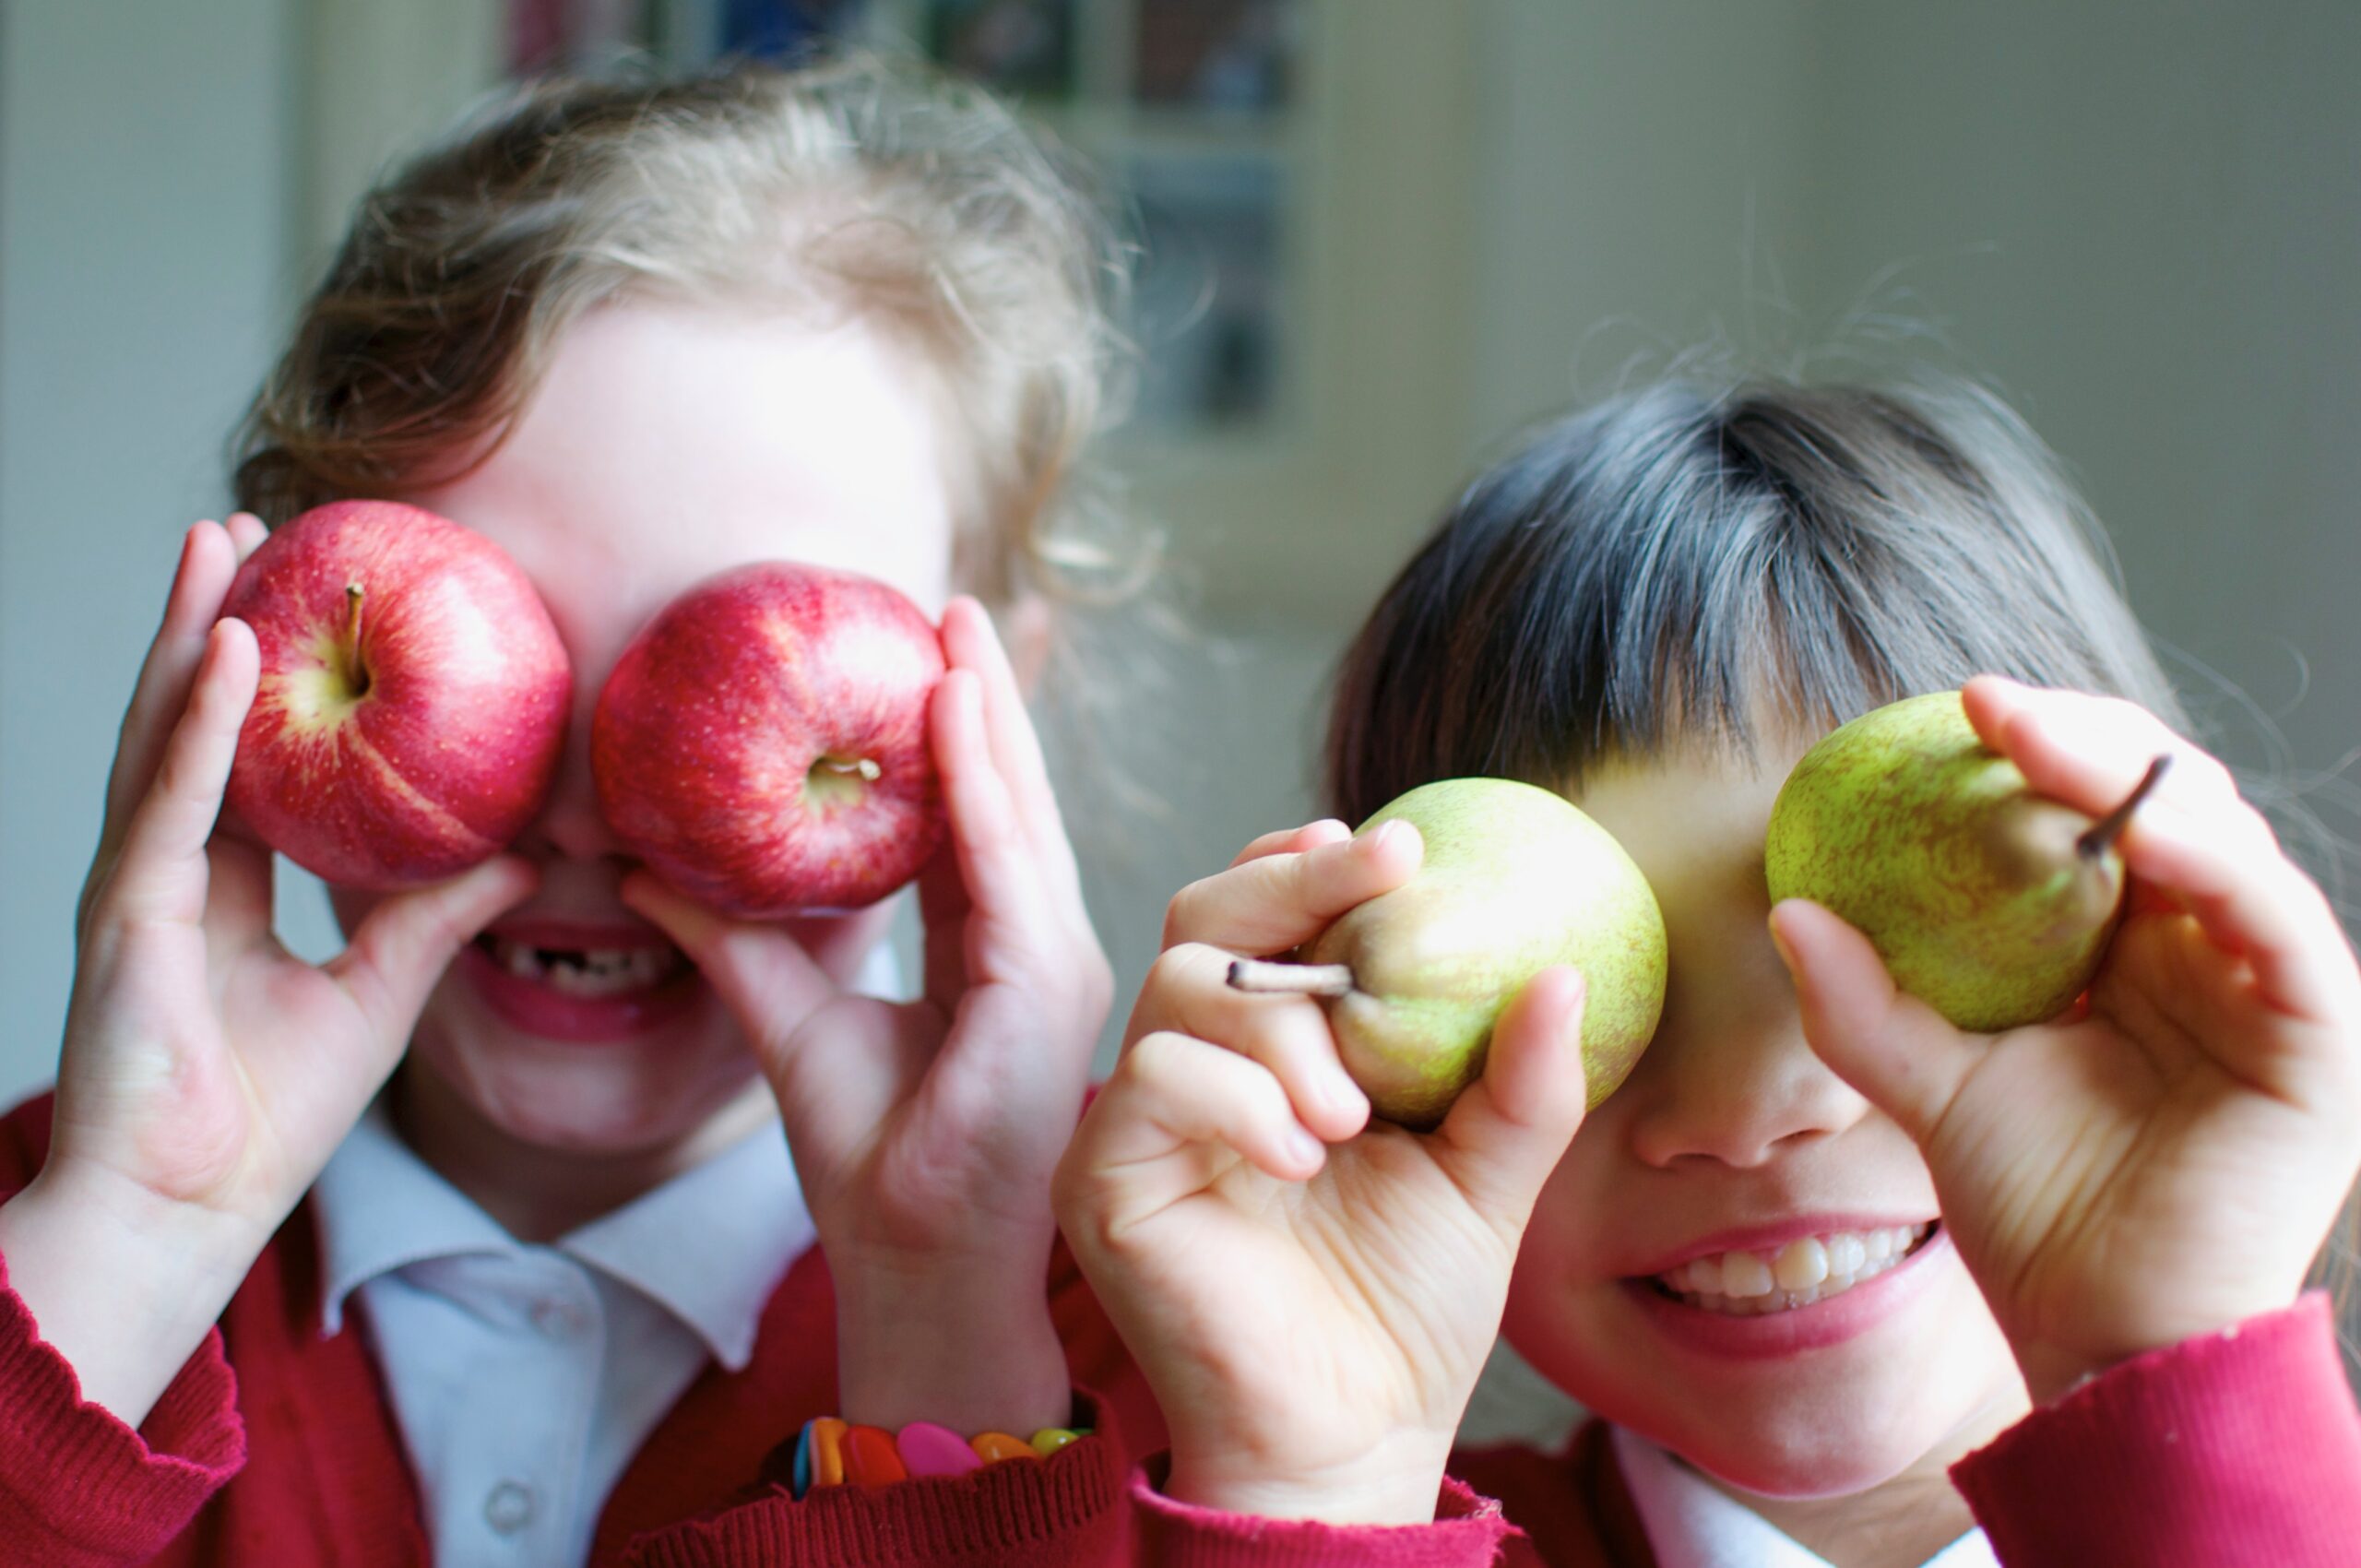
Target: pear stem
<point>1261,975</point>
<point>2100,836</point>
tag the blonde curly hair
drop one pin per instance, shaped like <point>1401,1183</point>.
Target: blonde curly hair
<point>857,187</point>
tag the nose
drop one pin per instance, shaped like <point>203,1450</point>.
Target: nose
<point>1729,1078</point>
<point>570,826</point>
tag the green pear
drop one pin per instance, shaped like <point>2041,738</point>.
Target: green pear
<point>1515,880</point>
<point>1989,902</point>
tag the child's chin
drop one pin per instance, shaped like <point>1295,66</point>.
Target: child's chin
<point>626,1101</point>
<point>1819,1466</point>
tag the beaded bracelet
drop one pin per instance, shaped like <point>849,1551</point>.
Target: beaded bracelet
<point>830,1452</point>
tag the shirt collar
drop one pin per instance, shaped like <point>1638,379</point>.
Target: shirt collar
<point>711,1243</point>
<point>1693,1524</point>
<point>708,1246</point>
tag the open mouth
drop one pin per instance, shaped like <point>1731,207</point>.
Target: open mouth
<point>1753,1283</point>
<point>589,973</point>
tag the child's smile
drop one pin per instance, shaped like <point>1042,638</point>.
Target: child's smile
<point>1738,1256</point>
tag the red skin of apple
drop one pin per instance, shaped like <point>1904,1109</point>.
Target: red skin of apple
<point>732,745</point>
<point>423,745</point>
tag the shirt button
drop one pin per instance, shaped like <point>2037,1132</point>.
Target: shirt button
<point>508,1507</point>
<point>554,1319</point>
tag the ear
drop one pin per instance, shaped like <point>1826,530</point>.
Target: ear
<point>1027,627</point>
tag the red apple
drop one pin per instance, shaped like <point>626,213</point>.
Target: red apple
<point>413,695</point>
<point>762,744</point>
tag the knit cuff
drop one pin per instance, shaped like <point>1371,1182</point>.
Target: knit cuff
<point>2241,1447</point>
<point>1017,1514</point>
<point>79,1484</point>
<point>1468,1529</point>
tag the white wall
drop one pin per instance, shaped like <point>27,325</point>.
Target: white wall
<point>142,157</point>
<point>2142,220</point>
<point>2145,222</point>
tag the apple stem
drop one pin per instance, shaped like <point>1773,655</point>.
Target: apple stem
<point>2101,835</point>
<point>863,768</point>
<point>356,674</point>
<point>1262,975</point>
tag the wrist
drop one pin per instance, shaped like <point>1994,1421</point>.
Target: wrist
<point>2053,1370</point>
<point>971,1352</point>
<point>121,1283</point>
<point>1395,1483</point>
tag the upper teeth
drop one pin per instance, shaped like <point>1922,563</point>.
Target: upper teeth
<point>591,971</point>
<point>1807,1269</point>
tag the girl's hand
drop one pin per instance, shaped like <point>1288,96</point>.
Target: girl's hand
<point>206,1073</point>
<point>1312,1320</point>
<point>924,1133</point>
<point>2166,1162</point>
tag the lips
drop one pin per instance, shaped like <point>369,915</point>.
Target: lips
<point>579,982</point>
<point>1749,1314</point>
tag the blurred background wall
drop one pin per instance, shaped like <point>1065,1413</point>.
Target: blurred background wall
<point>2142,220</point>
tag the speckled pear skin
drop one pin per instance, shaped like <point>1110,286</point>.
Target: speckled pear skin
<point>1515,879</point>
<point>1968,885</point>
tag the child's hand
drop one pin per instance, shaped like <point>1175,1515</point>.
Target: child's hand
<point>206,1073</point>
<point>925,1134</point>
<point>2168,1163</point>
<point>1313,1321</point>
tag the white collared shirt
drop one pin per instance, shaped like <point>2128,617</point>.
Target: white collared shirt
<point>525,1377</point>
<point>1693,1524</point>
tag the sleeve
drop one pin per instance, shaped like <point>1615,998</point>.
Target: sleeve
<point>2242,1447</point>
<point>1469,1531</point>
<point>1069,1510</point>
<point>1061,1513</point>
<point>80,1490</point>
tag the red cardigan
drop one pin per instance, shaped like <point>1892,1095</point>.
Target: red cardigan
<point>321,1478</point>
<point>2235,1449</point>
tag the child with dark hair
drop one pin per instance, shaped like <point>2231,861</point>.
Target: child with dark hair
<point>1841,1283</point>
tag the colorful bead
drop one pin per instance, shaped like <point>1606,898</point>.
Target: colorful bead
<point>870,1459</point>
<point>930,1450</point>
<point>827,1452</point>
<point>991,1447</point>
<point>803,1473</point>
<point>1048,1439</point>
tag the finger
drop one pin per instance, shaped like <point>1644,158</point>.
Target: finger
<point>161,873</point>
<point>972,644</point>
<point>247,533</point>
<point>208,561</point>
<point>1274,903</point>
<point>1896,1052</point>
<point>403,945</point>
<point>1188,992</point>
<point>2195,839</point>
<point>1295,840</point>
<point>1507,1130</point>
<point>944,908</point>
<point>2253,903</point>
<point>996,862</point>
<point>1172,1093</point>
<point>767,981</point>
<point>2089,751</point>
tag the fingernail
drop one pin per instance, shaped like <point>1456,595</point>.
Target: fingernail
<point>1302,1148</point>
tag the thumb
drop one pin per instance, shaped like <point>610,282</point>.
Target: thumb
<point>404,945</point>
<point>1509,1129</point>
<point>763,976</point>
<point>1897,1052</point>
